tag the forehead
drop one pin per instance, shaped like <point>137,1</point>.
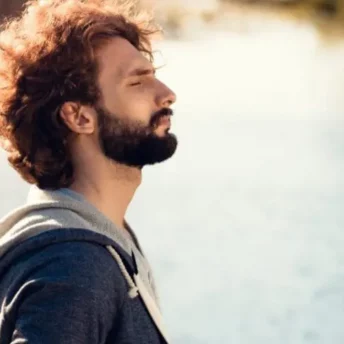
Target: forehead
<point>118,57</point>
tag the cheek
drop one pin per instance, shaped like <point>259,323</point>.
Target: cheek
<point>136,103</point>
<point>139,106</point>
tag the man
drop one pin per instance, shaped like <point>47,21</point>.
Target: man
<point>81,112</point>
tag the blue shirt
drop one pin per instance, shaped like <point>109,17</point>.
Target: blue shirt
<point>63,287</point>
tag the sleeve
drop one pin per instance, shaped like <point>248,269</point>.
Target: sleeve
<point>67,294</point>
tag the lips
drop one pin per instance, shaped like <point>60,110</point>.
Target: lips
<point>164,120</point>
<point>161,117</point>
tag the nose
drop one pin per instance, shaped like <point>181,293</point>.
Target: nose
<point>166,96</point>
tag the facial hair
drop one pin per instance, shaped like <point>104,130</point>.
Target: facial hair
<point>134,143</point>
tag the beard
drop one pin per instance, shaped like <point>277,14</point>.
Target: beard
<point>134,143</point>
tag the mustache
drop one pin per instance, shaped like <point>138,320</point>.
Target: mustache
<point>161,113</point>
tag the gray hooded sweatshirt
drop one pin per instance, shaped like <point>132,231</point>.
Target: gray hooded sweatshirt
<point>68,275</point>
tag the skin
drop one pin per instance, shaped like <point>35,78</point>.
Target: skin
<point>129,89</point>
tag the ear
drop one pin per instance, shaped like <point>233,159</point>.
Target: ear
<point>79,119</point>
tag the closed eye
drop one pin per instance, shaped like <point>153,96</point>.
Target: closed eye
<point>136,83</point>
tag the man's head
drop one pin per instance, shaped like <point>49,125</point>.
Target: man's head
<point>79,74</point>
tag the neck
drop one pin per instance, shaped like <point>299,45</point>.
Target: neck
<point>109,187</point>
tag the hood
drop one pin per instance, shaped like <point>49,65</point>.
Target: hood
<point>47,210</point>
<point>48,213</point>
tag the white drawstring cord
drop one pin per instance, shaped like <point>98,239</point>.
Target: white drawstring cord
<point>133,291</point>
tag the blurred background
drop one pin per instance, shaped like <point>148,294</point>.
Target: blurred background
<point>244,225</point>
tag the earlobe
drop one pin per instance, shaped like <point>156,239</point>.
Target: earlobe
<point>79,119</point>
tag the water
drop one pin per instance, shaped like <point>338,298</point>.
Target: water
<point>244,225</point>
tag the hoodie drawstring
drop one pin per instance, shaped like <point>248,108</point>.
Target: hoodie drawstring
<point>133,291</point>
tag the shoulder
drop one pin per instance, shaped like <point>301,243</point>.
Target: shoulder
<point>70,291</point>
<point>85,265</point>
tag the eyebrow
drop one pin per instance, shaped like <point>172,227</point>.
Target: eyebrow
<point>141,72</point>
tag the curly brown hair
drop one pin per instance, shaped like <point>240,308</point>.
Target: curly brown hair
<point>47,57</point>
